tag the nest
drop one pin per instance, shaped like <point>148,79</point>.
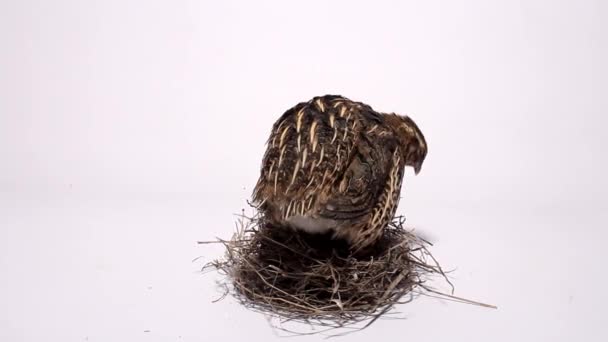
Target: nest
<point>315,279</point>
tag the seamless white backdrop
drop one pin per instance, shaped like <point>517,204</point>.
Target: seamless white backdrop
<point>131,129</point>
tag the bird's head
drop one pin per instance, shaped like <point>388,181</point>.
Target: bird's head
<point>412,141</point>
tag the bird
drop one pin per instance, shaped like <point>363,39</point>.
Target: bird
<point>334,165</point>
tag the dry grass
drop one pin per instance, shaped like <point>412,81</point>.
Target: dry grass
<point>314,279</point>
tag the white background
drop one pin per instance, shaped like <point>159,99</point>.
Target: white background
<point>131,129</point>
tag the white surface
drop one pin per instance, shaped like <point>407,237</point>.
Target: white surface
<point>128,131</point>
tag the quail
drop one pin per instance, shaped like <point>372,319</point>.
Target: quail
<point>336,166</point>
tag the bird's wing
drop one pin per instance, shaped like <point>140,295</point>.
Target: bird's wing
<point>309,150</point>
<point>353,196</point>
<point>377,199</point>
<point>363,182</point>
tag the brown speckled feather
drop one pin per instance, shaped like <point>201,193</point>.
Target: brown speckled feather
<point>308,147</point>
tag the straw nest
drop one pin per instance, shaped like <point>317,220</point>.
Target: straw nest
<point>313,279</point>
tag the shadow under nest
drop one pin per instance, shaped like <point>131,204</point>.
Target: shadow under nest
<point>314,279</point>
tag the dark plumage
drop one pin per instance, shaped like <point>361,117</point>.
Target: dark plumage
<point>335,165</point>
